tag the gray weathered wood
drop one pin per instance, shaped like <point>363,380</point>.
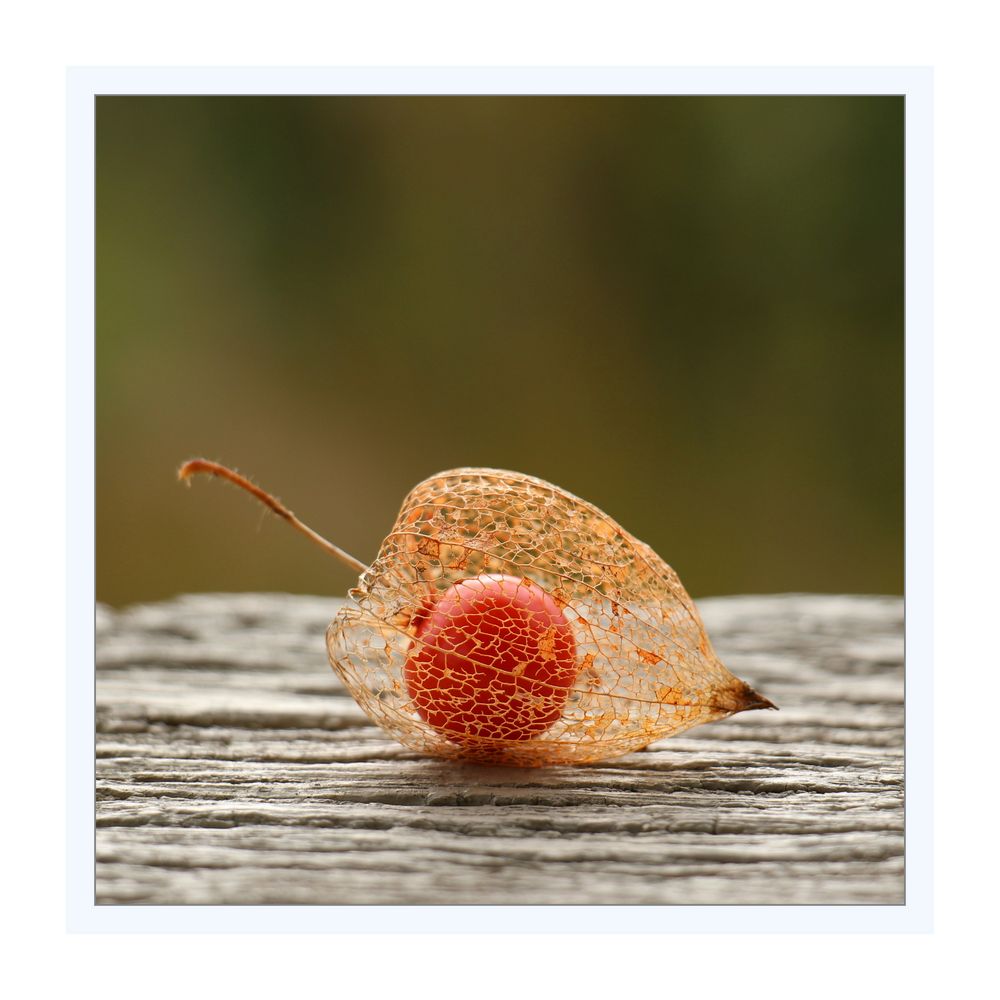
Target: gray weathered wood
<point>233,768</point>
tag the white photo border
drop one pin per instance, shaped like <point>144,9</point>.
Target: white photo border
<point>84,84</point>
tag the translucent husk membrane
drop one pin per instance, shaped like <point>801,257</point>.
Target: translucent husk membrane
<point>645,668</point>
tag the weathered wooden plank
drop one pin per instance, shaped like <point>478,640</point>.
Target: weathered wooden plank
<point>233,768</point>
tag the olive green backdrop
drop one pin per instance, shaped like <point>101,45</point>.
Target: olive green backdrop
<point>686,310</point>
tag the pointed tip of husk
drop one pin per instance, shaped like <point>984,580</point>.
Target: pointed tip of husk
<point>753,699</point>
<point>747,698</point>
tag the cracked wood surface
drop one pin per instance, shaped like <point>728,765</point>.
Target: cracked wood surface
<point>233,768</point>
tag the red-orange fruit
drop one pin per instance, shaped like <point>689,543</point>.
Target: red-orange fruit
<point>492,658</point>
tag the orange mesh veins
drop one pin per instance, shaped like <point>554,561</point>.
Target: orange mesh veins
<point>493,657</point>
<point>506,621</point>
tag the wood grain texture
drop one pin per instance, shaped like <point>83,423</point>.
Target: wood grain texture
<point>233,768</point>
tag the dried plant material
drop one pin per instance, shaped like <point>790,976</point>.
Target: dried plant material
<point>507,621</point>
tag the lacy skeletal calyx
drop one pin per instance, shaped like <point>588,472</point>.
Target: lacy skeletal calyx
<point>505,620</point>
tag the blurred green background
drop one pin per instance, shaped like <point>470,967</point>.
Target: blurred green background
<point>686,310</point>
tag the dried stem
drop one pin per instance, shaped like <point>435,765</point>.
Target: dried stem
<point>202,465</point>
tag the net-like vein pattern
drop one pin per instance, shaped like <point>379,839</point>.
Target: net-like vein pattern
<point>506,620</point>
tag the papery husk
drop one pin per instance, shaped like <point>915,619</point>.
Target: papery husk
<point>646,668</point>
